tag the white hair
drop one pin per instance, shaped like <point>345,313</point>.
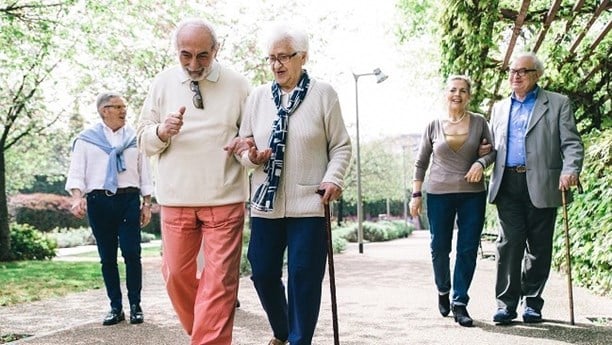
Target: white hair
<point>197,22</point>
<point>278,32</point>
<point>537,63</point>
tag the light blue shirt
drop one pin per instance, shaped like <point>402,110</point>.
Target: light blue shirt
<point>520,113</point>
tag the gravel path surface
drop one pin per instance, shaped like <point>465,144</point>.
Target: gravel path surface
<point>385,296</point>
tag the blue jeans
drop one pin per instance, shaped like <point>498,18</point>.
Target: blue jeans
<point>469,208</point>
<point>294,317</point>
<point>115,222</point>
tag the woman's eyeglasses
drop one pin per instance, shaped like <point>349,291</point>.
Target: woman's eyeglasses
<point>198,102</point>
<point>281,59</point>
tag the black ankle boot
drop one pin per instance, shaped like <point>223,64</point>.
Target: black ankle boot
<point>444,304</point>
<point>461,316</point>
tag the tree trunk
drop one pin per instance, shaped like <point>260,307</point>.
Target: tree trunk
<point>5,233</point>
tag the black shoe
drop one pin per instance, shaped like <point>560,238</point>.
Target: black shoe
<point>444,304</point>
<point>461,316</point>
<point>113,317</point>
<point>531,315</point>
<point>136,315</point>
<point>503,316</point>
<point>237,303</point>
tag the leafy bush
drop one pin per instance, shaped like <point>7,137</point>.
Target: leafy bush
<point>590,220</point>
<point>29,244</point>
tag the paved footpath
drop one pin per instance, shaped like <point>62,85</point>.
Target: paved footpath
<point>385,296</point>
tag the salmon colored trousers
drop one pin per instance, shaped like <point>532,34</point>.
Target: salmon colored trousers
<point>204,306</point>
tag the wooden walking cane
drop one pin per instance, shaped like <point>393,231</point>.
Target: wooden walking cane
<point>568,257</point>
<point>332,274</point>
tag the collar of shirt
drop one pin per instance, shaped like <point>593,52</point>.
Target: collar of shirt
<point>529,98</point>
<point>114,137</point>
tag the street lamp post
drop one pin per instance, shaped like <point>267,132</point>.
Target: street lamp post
<point>380,77</point>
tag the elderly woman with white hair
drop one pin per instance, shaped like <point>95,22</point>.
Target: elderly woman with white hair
<point>298,144</point>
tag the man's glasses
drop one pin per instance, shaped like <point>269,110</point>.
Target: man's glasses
<point>520,72</point>
<point>282,59</point>
<point>115,106</point>
<point>198,102</point>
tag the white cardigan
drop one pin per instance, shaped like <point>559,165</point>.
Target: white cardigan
<point>318,148</point>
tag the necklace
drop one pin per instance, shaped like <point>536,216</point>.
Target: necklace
<point>459,119</point>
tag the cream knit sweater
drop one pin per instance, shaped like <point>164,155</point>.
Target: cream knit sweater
<point>192,169</point>
<point>318,148</point>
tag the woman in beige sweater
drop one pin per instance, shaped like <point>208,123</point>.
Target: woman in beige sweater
<point>299,145</point>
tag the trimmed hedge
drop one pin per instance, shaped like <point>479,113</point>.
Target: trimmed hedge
<point>376,231</point>
<point>46,212</point>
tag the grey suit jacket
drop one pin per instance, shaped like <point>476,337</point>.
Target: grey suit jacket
<point>552,144</point>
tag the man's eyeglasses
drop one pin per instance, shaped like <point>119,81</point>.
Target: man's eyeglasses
<point>282,59</point>
<point>520,72</point>
<point>198,102</point>
<point>115,106</point>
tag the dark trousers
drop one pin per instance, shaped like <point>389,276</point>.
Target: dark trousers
<point>115,222</point>
<point>295,316</point>
<point>524,245</point>
<point>469,208</point>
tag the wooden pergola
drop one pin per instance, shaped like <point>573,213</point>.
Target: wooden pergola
<point>577,19</point>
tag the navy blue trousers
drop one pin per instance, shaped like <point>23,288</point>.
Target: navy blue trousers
<point>292,317</point>
<point>469,208</point>
<point>115,222</point>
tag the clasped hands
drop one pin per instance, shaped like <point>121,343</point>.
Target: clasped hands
<point>239,145</point>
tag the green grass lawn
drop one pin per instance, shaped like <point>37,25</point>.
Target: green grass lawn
<point>27,281</point>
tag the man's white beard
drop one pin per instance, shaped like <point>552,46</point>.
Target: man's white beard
<point>202,76</point>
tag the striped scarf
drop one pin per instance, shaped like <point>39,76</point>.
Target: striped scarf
<point>263,199</point>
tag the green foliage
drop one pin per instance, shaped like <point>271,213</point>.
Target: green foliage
<point>382,173</point>
<point>467,37</point>
<point>590,220</point>
<point>29,244</point>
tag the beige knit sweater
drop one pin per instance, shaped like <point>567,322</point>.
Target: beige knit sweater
<point>192,169</point>
<point>318,148</point>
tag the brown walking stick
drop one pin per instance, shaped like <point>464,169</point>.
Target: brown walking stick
<point>332,274</point>
<point>568,257</point>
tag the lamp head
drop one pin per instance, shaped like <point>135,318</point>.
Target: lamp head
<point>380,76</point>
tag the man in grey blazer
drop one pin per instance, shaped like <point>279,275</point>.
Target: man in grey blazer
<point>539,154</point>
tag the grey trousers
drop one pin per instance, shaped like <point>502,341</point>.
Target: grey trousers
<point>524,245</point>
